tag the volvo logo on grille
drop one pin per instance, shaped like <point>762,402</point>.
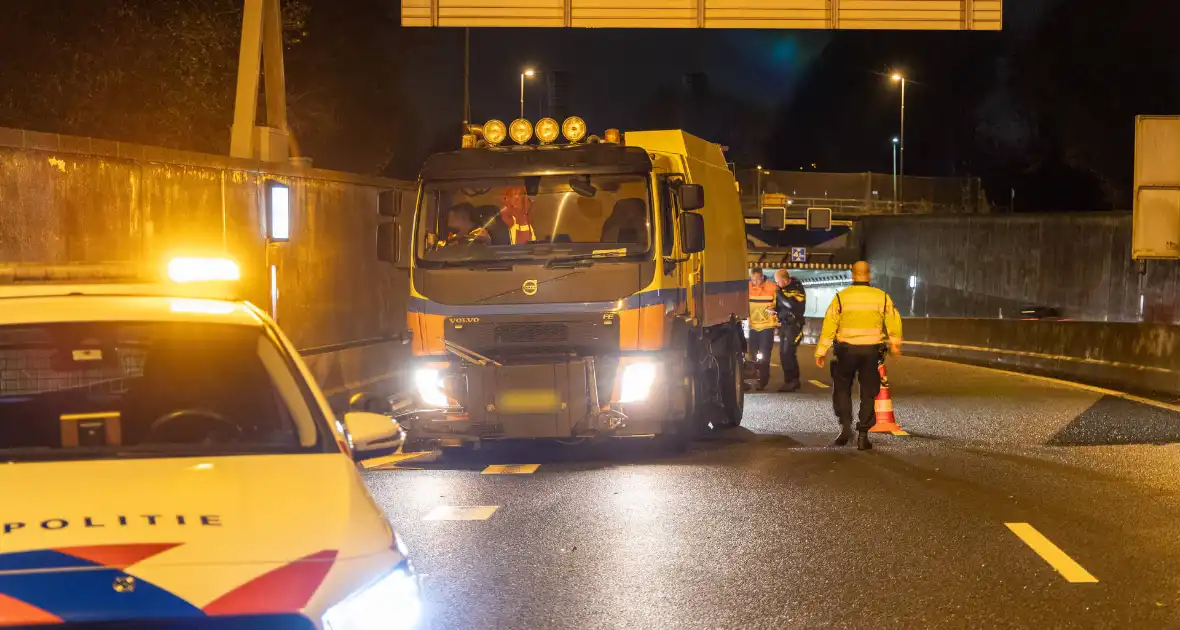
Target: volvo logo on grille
<point>464,320</point>
<point>530,287</point>
<point>124,584</point>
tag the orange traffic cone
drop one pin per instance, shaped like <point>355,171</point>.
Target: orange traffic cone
<point>883,406</point>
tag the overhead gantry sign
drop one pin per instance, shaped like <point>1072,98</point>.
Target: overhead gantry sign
<point>938,15</point>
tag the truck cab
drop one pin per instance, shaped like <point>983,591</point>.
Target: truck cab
<point>584,289</point>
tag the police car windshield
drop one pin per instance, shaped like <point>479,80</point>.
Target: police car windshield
<point>476,221</point>
<point>109,389</point>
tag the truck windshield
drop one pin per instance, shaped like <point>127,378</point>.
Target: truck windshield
<point>95,390</point>
<point>543,217</point>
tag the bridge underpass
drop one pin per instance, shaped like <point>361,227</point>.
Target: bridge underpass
<point>789,531</point>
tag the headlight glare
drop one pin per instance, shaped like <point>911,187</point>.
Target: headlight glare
<point>389,603</point>
<point>430,387</point>
<point>636,382</point>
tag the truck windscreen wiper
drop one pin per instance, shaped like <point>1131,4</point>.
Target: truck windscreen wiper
<point>574,258</point>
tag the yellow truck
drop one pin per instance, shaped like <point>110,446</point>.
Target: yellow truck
<point>589,288</point>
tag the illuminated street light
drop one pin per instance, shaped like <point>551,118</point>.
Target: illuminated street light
<point>530,73</point>
<point>900,178</point>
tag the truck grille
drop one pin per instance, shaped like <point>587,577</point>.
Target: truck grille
<point>532,333</point>
<point>500,338</point>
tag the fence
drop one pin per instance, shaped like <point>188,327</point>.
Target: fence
<point>866,193</point>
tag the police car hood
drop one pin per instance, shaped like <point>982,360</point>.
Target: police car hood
<point>232,513</point>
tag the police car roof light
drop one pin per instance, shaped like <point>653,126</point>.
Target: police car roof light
<point>189,269</point>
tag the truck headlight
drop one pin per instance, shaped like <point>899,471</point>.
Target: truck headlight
<point>430,387</point>
<point>637,380</point>
<point>389,603</point>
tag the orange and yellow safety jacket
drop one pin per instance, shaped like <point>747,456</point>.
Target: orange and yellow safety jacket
<point>860,316</point>
<point>762,306</point>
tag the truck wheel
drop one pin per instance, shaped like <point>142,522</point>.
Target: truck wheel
<point>733,391</point>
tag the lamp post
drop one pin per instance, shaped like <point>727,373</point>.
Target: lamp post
<point>898,78</point>
<point>895,143</point>
<point>758,189</point>
<point>529,72</point>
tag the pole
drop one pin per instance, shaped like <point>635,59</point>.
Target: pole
<point>901,158</point>
<point>522,95</point>
<point>758,191</point>
<point>894,176</point>
<point>466,78</point>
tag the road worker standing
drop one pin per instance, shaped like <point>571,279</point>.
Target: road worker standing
<point>763,323</point>
<point>860,321</point>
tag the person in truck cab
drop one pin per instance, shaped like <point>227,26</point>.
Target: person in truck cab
<point>462,227</point>
<point>516,214</point>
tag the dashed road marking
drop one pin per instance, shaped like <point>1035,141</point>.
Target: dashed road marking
<point>899,432</point>
<point>461,513</point>
<point>820,384</point>
<point>511,469</point>
<point>1058,559</point>
<point>388,460</point>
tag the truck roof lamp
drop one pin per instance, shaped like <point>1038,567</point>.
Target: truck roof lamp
<point>494,132</point>
<point>612,136</point>
<point>574,129</point>
<point>521,131</point>
<point>548,130</point>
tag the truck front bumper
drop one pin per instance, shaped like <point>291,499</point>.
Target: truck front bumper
<point>546,400</point>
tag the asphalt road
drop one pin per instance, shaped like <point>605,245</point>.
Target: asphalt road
<point>1015,502</point>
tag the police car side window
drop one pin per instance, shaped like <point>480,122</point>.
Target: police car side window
<point>288,391</point>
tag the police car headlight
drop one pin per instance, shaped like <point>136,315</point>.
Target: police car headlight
<point>637,381</point>
<point>391,602</point>
<point>429,383</point>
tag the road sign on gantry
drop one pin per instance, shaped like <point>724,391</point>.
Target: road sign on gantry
<point>938,15</point>
<point>1156,232</point>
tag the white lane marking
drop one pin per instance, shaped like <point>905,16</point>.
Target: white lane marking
<point>1058,559</point>
<point>820,384</point>
<point>461,513</point>
<point>510,469</point>
<point>391,459</point>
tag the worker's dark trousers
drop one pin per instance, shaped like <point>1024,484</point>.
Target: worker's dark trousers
<point>855,362</point>
<point>788,347</point>
<point>762,342</point>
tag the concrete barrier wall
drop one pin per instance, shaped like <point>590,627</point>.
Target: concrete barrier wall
<point>991,266</point>
<point>1129,357</point>
<point>69,199</point>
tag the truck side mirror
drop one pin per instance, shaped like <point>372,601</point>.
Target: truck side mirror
<point>388,241</point>
<point>692,232</point>
<point>692,197</point>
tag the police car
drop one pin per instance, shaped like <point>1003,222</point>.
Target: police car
<point>167,461</point>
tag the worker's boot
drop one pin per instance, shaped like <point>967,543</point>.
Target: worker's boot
<point>862,441</point>
<point>844,437</point>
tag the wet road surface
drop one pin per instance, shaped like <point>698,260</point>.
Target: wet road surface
<point>1015,502</point>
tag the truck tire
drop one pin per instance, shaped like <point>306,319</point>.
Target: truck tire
<point>733,388</point>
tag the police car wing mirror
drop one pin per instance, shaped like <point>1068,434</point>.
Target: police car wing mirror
<point>692,196</point>
<point>363,401</point>
<point>692,233</point>
<point>372,432</point>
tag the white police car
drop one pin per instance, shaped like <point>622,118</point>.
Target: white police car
<point>167,461</point>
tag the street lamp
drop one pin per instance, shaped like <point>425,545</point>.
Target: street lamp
<point>758,188</point>
<point>529,72</point>
<point>896,140</point>
<point>900,178</point>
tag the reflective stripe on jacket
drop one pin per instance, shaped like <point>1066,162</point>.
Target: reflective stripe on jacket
<point>860,316</point>
<point>762,298</point>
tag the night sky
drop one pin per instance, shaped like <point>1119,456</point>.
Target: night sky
<point>1045,108</point>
